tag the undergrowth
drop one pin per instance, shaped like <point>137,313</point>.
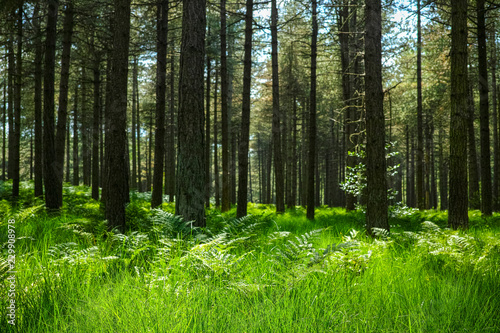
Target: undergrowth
<point>260,273</point>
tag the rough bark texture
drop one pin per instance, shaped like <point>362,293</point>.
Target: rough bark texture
<point>96,125</point>
<point>311,169</point>
<point>245,116</point>
<point>216,154</point>
<point>17,104</point>
<point>276,130</point>
<point>420,188</point>
<point>133,182</point>
<point>191,158</point>
<point>484,109</point>
<point>376,189</point>
<point>224,110</point>
<point>76,168</point>
<point>52,194</point>
<point>161,88</point>
<point>38,106</point>
<point>62,113</point>
<point>10,111</point>
<point>457,214</point>
<point>207,133</point>
<point>116,137</point>
<point>170,173</point>
<point>496,147</point>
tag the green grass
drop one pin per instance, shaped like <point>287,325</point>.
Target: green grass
<point>262,273</point>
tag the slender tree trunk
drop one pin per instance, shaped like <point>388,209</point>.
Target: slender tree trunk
<point>496,147</point>
<point>4,125</point>
<point>170,175</point>
<point>474,198</point>
<point>311,165</point>
<point>52,194</point>
<point>96,125</point>
<point>161,88</point>
<point>457,214</point>
<point>10,111</point>
<point>207,133</point>
<point>376,189</point>
<point>276,131</point>
<point>224,110</point>
<point>420,129</point>
<point>116,138</point>
<point>243,160</point>
<point>17,104</point>
<point>68,153</point>
<point>216,149</point>
<point>76,175</point>
<point>38,107</point>
<point>190,199</point>
<point>133,183</point>
<point>443,173</point>
<point>484,109</point>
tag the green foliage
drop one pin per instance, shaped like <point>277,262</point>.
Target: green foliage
<point>251,274</point>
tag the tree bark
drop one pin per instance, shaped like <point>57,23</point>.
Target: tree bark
<point>457,214</point>
<point>116,138</point>
<point>207,133</point>
<point>420,127</point>
<point>496,147</point>
<point>17,104</point>
<point>133,183</point>
<point>95,124</point>
<point>245,116</point>
<point>216,142</point>
<point>52,194</point>
<point>38,106</point>
<point>161,88</point>
<point>311,165</point>
<point>376,188</point>
<point>224,110</point>
<point>190,201</point>
<point>484,109</point>
<point>474,195</point>
<point>76,168</point>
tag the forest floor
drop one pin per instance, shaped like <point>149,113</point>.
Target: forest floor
<point>261,273</point>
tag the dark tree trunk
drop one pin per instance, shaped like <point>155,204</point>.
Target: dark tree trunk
<point>376,188</point>
<point>17,105</point>
<point>96,125</point>
<point>138,129</point>
<point>149,158</point>
<point>161,88</point>
<point>11,73</point>
<point>4,124</point>
<point>76,168</point>
<point>38,107</point>
<point>68,153</point>
<point>245,116</point>
<point>311,165</point>
<point>52,194</point>
<point>474,198</point>
<point>420,127</point>
<point>190,201</point>
<point>457,214</point>
<point>84,130</point>
<point>170,174</point>
<point>133,183</point>
<point>216,141</point>
<point>276,131</point>
<point>116,137</point>
<point>496,148</point>
<point>484,109</point>
<point>443,173</point>
<point>62,113</point>
<point>224,110</point>
<point>207,133</point>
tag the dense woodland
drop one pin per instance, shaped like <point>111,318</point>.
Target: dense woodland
<point>252,166</point>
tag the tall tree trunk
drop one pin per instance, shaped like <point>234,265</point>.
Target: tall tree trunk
<point>420,127</point>
<point>17,104</point>
<point>216,142</point>
<point>484,109</point>
<point>474,197</point>
<point>133,183</point>
<point>207,133</point>
<point>68,153</point>
<point>276,131</point>
<point>38,106</point>
<point>245,116</point>
<point>116,137</point>
<point>224,110</point>
<point>84,129</point>
<point>161,88</point>
<point>95,124</point>
<point>11,73</point>
<point>138,129</point>
<point>52,194</point>
<point>311,165</point>
<point>443,173</point>
<point>190,200</point>
<point>170,174</point>
<point>496,147</point>
<point>4,125</point>
<point>76,175</point>
<point>376,189</point>
<point>457,214</point>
